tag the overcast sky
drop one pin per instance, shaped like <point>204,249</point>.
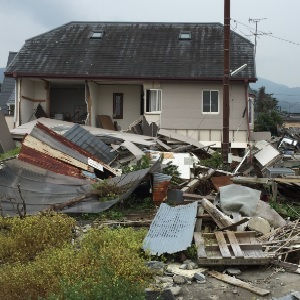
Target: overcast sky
<point>278,42</point>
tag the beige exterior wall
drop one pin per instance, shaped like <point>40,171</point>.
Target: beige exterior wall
<point>182,113</point>
<point>131,102</point>
<point>181,107</point>
<point>28,95</point>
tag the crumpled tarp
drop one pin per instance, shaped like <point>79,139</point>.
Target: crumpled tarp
<point>237,198</point>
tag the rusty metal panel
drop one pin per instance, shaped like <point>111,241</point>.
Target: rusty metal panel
<point>38,145</point>
<point>171,229</point>
<point>87,141</point>
<point>221,181</point>
<point>47,162</point>
<point>160,187</point>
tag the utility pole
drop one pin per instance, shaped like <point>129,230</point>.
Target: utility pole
<point>256,34</point>
<point>225,141</point>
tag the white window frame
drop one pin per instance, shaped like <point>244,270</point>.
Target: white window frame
<point>211,112</point>
<point>155,101</point>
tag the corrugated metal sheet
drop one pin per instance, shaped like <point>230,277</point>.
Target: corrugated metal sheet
<point>94,145</point>
<point>171,229</point>
<point>42,188</point>
<point>131,181</point>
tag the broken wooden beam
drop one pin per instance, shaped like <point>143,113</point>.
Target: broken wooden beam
<point>190,186</point>
<point>220,218</point>
<point>237,282</point>
<point>198,197</point>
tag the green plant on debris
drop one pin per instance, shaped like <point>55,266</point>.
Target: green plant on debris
<point>172,170</point>
<point>107,191</point>
<point>215,161</point>
<point>10,153</point>
<point>286,209</point>
<point>143,163</point>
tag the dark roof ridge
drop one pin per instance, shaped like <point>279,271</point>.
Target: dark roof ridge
<point>142,22</point>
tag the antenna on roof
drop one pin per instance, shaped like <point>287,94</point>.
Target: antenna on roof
<point>256,34</point>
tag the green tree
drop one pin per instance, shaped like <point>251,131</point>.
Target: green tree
<point>267,117</point>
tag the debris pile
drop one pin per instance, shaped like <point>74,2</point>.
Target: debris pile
<point>222,213</point>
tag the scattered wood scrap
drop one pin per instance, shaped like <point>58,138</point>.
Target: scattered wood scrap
<point>287,266</point>
<point>283,240</point>
<point>237,282</point>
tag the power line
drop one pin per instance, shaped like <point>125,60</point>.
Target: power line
<point>256,32</point>
<point>287,95</point>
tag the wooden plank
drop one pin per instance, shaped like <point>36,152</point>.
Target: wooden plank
<point>222,244</point>
<point>239,283</point>
<point>198,225</point>
<point>195,196</point>
<point>234,225</point>
<point>106,122</point>
<point>199,242</point>
<point>220,261</point>
<point>234,245</point>
<point>33,100</point>
<point>190,186</point>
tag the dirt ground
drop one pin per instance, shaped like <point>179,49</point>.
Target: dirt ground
<point>279,282</point>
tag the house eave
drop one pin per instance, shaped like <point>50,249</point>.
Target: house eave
<point>97,77</point>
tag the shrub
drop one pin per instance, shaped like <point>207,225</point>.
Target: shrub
<point>22,281</point>
<point>105,264</point>
<point>108,289</point>
<point>120,249</point>
<point>22,239</point>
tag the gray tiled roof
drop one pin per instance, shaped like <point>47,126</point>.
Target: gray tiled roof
<point>133,50</point>
<point>8,86</point>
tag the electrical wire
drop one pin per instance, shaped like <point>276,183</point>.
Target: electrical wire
<point>270,34</point>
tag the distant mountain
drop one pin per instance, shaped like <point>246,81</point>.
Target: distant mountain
<point>2,74</point>
<point>288,98</point>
